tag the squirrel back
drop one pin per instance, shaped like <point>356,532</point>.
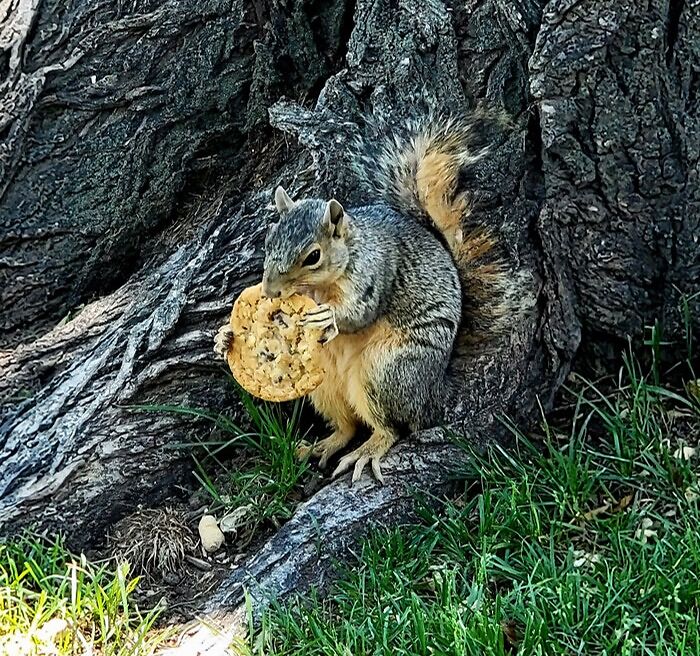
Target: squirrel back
<point>416,170</point>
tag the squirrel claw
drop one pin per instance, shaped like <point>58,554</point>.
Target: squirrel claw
<point>360,457</point>
<point>372,451</point>
<point>377,470</point>
<point>322,317</point>
<point>328,334</point>
<point>223,340</point>
<point>360,464</point>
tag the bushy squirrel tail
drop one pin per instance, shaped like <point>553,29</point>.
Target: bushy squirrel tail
<point>416,169</point>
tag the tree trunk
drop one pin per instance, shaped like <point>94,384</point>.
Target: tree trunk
<point>137,171</point>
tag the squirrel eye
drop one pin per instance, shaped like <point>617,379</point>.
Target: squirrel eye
<point>312,258</point>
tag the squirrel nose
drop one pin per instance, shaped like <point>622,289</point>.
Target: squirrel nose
<point>268,291</point>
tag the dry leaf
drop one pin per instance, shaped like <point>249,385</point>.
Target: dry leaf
<point>693,387</point>
<point>692,493</point>
<point>624,503</point>
<point>232,521</point>
<point>585,558</point>
<point>618,506</point>
<point>511,637</point>
<point>592,514</point>
<point>52,629</point>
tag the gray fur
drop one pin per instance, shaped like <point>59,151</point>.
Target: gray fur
<point>294,232</point>
<point>400,272</point>
<point>385,157</point>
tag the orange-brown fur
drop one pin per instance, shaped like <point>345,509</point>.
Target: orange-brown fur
<point>342,396</point>
<point>416,170</point>
<point>418,176</point>
<point>347,360</point>
<point>436,183</point>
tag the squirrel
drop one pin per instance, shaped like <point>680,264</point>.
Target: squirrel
<point>401,284</point>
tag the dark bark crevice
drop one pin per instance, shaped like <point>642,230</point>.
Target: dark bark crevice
<point>673,19</point>
<point>120,117</point>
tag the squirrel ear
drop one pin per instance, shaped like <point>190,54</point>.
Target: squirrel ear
<point>333,217</point>
<point>282,200</point>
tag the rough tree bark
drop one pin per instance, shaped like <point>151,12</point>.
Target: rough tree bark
<point>133,139</point>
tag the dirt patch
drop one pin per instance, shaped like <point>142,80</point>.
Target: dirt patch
<point>163,547</point>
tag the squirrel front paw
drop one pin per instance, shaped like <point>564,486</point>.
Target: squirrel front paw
<point>322,317</point>
<point>223,340</point>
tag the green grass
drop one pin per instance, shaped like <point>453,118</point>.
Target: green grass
<point>584,539</point>
<point>52,602</point>
<point>266,481</point>
<point>251,474</point>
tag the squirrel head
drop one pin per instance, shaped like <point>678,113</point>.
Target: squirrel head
<point>307,248</point>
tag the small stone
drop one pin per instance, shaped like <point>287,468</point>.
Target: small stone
<point>210,534</point>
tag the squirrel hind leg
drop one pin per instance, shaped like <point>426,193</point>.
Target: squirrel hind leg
<point>330,401</point>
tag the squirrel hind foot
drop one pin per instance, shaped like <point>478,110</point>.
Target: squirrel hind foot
<point>372,451</point>
<point>325,448</point>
